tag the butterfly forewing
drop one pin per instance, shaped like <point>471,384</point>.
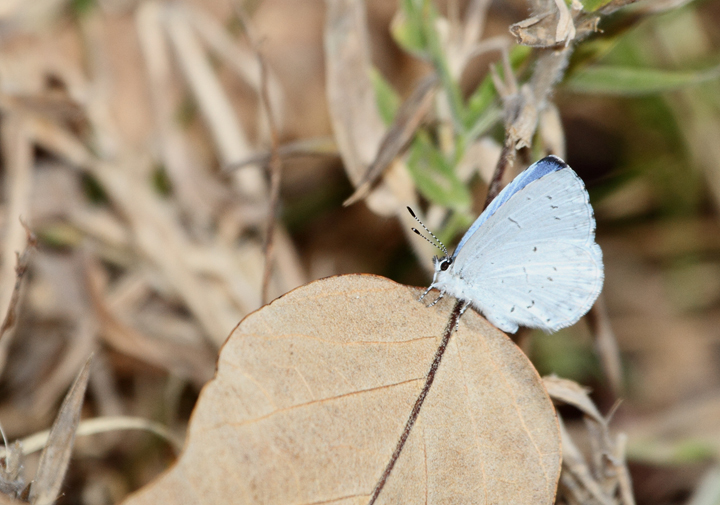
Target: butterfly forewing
<point>534,262</point>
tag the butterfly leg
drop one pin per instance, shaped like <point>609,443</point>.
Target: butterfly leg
<point>425,293</point>
<point>442,293</point>
<point>462,311</point>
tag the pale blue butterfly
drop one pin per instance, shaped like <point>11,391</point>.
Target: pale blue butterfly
<point>530,259</point>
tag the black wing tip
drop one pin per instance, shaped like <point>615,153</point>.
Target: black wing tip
<point>557,160</point>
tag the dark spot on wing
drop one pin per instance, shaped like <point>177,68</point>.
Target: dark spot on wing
<point>515,222</point>
<point>549,197</point>
<point>550,279</point>
<point>553,206</point>
<point>512,309</point>
<point>555,268</point>
<point>534,249</point>
<point>557,218</point>
<point>531,305</point>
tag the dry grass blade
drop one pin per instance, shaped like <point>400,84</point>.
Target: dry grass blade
<point>318,146</point>
<point>56,455</point>
<point>217,109</point>
<point>195,190</point>
<point>97,425</point>
<point>411,114</point>
<point>313,391</point>
<point>241,60</point>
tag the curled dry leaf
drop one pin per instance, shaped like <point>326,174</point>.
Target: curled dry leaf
<point>313,391</point>
<point>549,28</point>
<point>574,394</point>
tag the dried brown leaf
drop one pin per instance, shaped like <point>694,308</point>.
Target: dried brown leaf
<point>408,119</point>
<point>56,455</point>
<point>356,122</point>
<point>605,479</point>
<point>574,394</point>
<point>537,31</point>
<point>313,391</point>
<point>547,29</point>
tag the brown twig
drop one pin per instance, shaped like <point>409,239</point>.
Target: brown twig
<point>507,159</point>
<point>606,345</point>
<point>447,333</point>
<point>275,163</point>
<point>21,266</point>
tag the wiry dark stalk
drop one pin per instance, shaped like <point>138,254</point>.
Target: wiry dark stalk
<point>447,333</point>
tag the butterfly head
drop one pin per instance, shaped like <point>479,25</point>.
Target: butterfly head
<point>443,270</point>
<point>442,264</point>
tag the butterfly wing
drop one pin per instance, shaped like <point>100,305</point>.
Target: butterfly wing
<point>534,262</point>
<point>534,172</point>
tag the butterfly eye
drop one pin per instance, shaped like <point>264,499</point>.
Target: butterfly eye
<point>445,264</point>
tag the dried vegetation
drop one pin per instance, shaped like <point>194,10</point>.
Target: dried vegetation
<point>169,166</point>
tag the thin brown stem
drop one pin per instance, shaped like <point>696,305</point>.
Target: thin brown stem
<point>275,163</point>
<point>447,333</point>
<point>507,159</point>
<point>21,266</point>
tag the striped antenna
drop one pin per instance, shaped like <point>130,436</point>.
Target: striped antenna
<point>441,246</point>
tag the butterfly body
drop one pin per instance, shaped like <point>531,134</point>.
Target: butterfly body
<point>530,259</point>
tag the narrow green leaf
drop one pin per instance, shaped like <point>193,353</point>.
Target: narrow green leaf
<point>613,80</point>
<point>388,100</point>
<point>593,5</point>
<point>434,175</point>
<point>407,28</point>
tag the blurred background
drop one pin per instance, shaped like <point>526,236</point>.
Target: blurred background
<point>135,140</point>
